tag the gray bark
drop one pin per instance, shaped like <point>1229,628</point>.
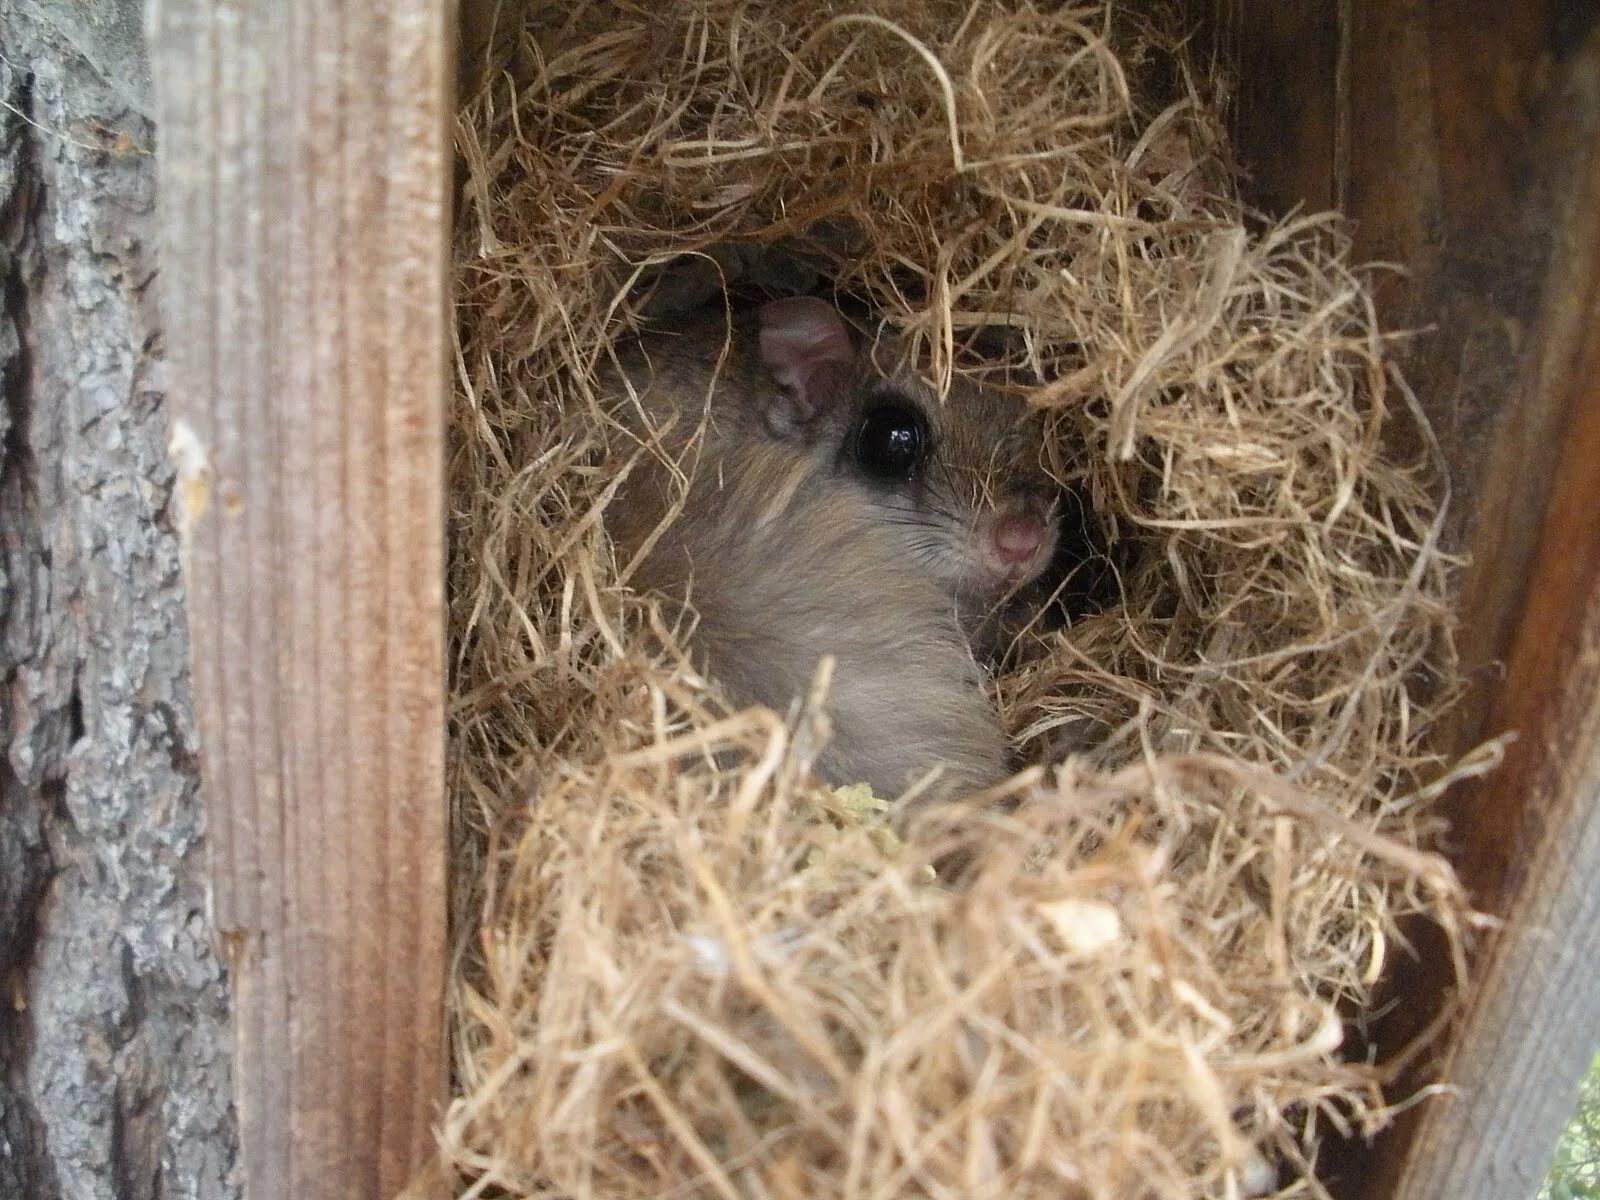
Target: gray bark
<point>114,1039</point>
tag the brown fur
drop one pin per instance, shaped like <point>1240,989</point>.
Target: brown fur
<point>784,559</point>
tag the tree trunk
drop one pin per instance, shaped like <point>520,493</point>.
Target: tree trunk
<point>114,1038</point>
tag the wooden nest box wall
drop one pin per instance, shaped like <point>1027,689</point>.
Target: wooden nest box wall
<point>306,168</point>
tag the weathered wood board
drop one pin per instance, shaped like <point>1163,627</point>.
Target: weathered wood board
<point>305,172</point>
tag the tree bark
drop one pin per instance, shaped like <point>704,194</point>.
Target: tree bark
<point>114,1036</point>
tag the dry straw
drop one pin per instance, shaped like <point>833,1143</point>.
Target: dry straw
<point>684,978</point>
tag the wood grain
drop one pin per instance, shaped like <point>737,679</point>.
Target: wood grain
<point>1284,58</point>
<point>304,174</point>
<point>1464,142</point>
<point>1529,836</point>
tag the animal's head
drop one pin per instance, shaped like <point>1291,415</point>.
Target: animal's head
<point>960,481</point>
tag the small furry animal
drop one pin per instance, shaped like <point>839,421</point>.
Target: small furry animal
<point>822,507</point>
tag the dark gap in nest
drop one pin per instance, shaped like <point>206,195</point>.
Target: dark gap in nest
<point>1082,577</point>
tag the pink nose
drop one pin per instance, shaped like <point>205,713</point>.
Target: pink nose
<point>1017,537</point>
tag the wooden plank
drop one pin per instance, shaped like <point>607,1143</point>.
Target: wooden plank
<point>304,156</point>
<point>1462,139</point>
<point>1472,134</point>
<point>1530,852</point>
<point>1473,162</point>
<point>1286,109</point>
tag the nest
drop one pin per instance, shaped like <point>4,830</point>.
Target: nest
<point>690,970</point>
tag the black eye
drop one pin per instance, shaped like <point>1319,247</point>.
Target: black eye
<point>891,440</point>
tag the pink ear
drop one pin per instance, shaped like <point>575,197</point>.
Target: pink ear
<point>804,342</point>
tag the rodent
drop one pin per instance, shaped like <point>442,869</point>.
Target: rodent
<point>832,508</point>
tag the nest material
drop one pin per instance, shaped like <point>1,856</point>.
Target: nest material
<point>683,978</point>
